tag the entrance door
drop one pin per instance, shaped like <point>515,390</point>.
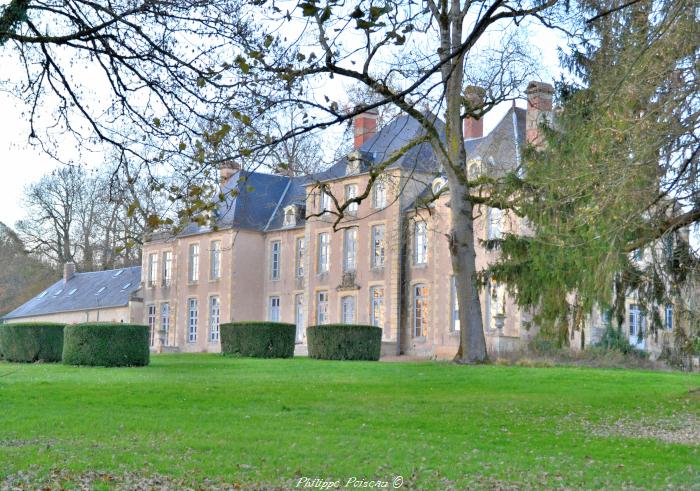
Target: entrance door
<point>299,316</point>
<point>637,326</point>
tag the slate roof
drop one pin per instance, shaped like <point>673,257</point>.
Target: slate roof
<point>119,285</point>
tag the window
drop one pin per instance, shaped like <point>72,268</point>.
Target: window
<point>152,325</point>
<point>299,316</point>
<point>668,317</point>
<point>376,306</point>
<point>455,306</point>
<point>192,320</point>
<point>636,326</point>
<point>58,292</point>
<point>323,246</point>
<point>378,246</point>
<point>379,194</point>
<point>152,269</point>
<point>322,308</point>
<point>127,285</point>
<point>420,237</point>
<point>495,302</point>
<point>290,216</point>
<point>347,305</point>
<point>350,249</point>
<point>275,253</point>
<point>72,292</point>
<point>325,202</point>
<point>494,218</point>
<point>194,263</point>
<point>215,260</point>
<point>102,288</point>
<point>420,310</point>
<point>350,193</point>
<point>438,185</point>
<point>273,311</point>
<point>300,257</point>
<point>638,254</point>
<point>165,321</point>
<point>167,268</point>
<point>214,318</point>
<point>118,273</point>
<point>668,246</point>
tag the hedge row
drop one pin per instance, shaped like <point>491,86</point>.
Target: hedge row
<point>31,342</point>
<point>106,344</point>
<point>344,342</point>
<point>258,339</point>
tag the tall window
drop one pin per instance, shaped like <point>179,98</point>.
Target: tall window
<point>668,311</point>
<point>214,318</point>
<point>347,305</point>
<point>152,269</point>
<point>376,306</point>
<point>494,224</point>
<point>420,238</point>
<point>495,302</point>
<point>420,310</point>
<point>351,192</point>
<point>273,311</point>
<point>636,321</point>
<point>322,308</point>
<point>455,306</point>
<point>379,194</point>
<point>152,324</point>
<point>325,202</point>
<point>167,268</point>
<point>350,249</point>
<point>192,320</point>
<point>299,316</point>
<point>378,246</point>
<point>215,260</point>
<point>323,246</point>
<point>194,263</point>
<point>275,255</point>
<point>165,321</point>
<point>300,257</point>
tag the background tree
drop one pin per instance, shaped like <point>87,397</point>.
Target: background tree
<point>611,195</point>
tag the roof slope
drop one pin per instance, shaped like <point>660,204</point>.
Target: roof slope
<point>83,292</point>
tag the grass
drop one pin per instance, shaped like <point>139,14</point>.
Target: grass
<point>270,422</point>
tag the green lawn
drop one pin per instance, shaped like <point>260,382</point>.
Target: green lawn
<point>269,422</point>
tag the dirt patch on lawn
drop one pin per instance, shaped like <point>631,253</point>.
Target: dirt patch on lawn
<point>682,428</point>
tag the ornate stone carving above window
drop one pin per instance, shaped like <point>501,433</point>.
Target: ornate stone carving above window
<point>439,184</point>
<point>291,215</point>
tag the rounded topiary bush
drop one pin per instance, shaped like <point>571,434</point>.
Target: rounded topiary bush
<point>31,341</point>
<point>258,339</point>
<point>106,345</point>
<point>344,342</point>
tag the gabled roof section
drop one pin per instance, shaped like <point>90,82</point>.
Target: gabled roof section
<point>84,291</point>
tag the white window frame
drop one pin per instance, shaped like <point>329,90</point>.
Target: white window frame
<point>151,318</point>
<point>322,307</point>
<point>193,263</point>
<point>379,194</point>
<point>300,257</point>
<point>274,309</point>
<point>299,316</point>
<point>347,309</point>
<point>275,259</point>
<point>215,260</point>
<point>420,242</point>
<point>456,325</point>
<point>167,268</point>
<point>494,218</point>
<point>376,306</point>
<point>165,320</point>
<point>351,192</point>
<point>378,245</point>
<point>192,319</point>
<point>214,318</point>
<point>152,269</point>
<point>324,202</point>
<point>323,241</point>
<point>668,317</point>
<point>420,310</point>
<point>350,249</point>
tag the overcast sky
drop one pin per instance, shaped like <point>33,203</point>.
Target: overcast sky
<point>23,164</point>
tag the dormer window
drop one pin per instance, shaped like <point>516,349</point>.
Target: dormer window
<point>353,166</point>
<point>439,184</point>
<point>474,169</point>
<point>291,213</point>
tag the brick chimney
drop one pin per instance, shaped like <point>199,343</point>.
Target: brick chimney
<point>226,170</point>
<point>539,110</point>
<point>68,271</point>
<point>364,127</point>
<point>473,100</point>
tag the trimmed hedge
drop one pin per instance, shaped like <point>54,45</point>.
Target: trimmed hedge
<point>31,341</point>
<point>258,339</point>
<point>344,342</point>
<point>106,345</point>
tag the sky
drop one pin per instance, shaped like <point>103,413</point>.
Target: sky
<point>24,164</point>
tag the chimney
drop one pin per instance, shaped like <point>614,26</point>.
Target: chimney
<point>539,110</point>
<point>226,170</point>
<point>364,127</point>
<point>473,101</point>
<point>68,271</point>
